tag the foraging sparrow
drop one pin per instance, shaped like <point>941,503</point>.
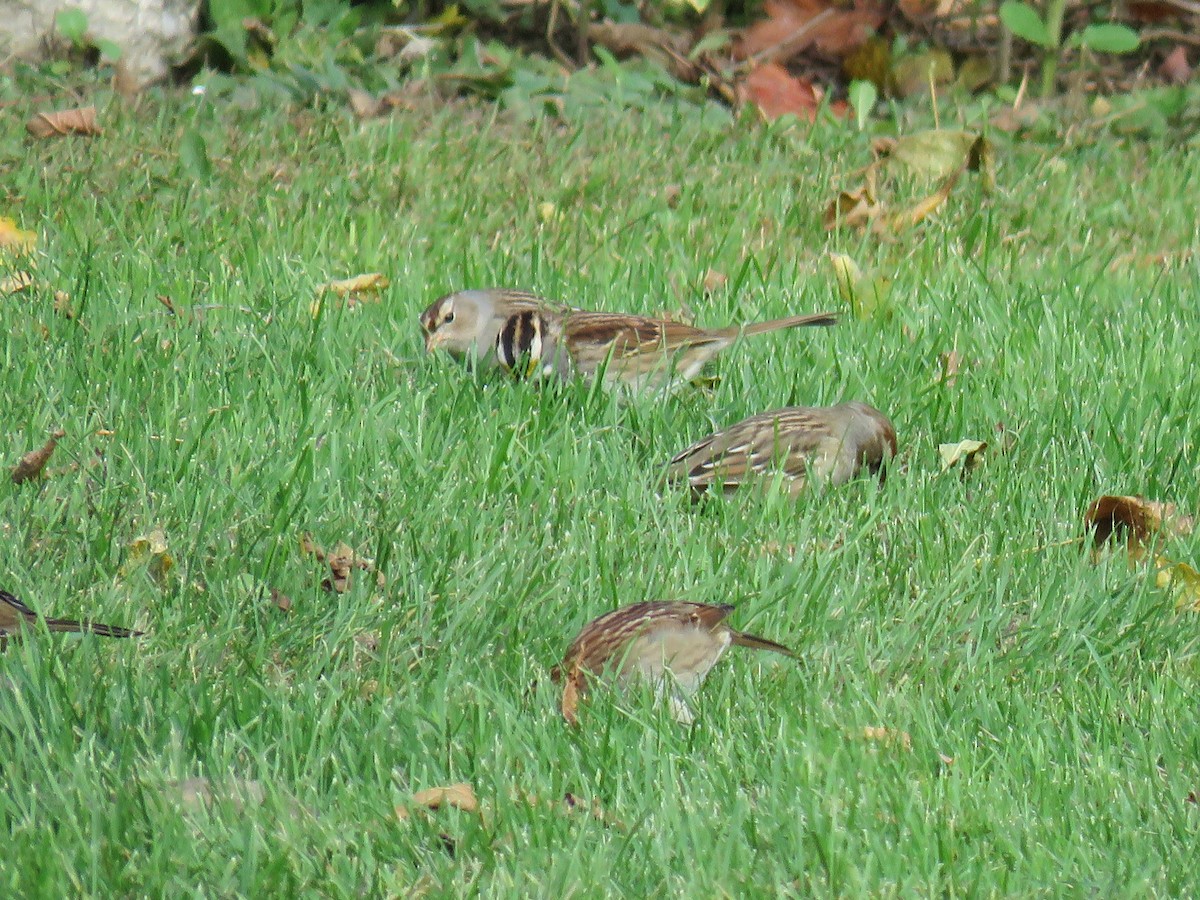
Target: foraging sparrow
<point>520,331</point>
<point>832,443</point>
<point>15,616</point>
<point>670,644</point>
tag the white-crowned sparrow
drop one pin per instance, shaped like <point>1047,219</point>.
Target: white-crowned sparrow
<point>531,335</point>
<point>16,617</point>
<point>830,443</point>
<point>671,645</point>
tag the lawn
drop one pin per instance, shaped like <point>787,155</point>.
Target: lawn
<point>1040,713</point>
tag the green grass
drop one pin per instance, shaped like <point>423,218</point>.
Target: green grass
<point>504,516</point>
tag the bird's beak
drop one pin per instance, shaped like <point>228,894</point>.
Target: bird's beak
<point>432,341</point>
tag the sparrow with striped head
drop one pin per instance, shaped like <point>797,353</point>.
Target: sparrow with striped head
<point>530,335</point>
<point>827,444</point>
<point>670,645</point>
<point>16,617</point>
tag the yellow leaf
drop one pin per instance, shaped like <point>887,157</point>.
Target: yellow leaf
<point>371,283</point>
<point>967,452</point>
<point>13,238</point>
<point>15,283</point>
<point>1182,580</point>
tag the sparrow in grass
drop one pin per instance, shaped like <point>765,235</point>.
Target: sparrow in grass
<point>530,335</point>
<point>829,444</point>
<point>671,645</point>
<point>16,617</point>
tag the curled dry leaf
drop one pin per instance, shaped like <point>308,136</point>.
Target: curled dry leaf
<point>1175,68</point>
<point>64,122</point>
<point>15,283</point>
<point>853,209</point>
<point>281,601</point>
<point>351,291</point>
<point>1136,518</point>
<point>968,452</point>
<point>456,796</point>
<point>792,26</point>
<point>341,560</point>
<point>33,463</point>
<point>569,705</point>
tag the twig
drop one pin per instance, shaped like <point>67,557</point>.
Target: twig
<point>769,53</point>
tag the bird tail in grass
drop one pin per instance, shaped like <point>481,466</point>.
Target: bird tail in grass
<point>811,319</point>
<point>99,628</point>
<point>741,639</point>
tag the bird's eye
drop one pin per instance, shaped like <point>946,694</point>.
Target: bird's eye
<point>449,318</point>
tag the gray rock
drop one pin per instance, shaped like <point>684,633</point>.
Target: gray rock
<point>152,34</point>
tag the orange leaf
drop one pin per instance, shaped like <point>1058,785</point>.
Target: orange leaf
<point>776,92</point>
<point>64,122</point>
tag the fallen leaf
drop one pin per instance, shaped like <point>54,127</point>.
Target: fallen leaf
<point>1182,580</point>
<point>918,212</point>
<point>150,550</point>
<point>197,793</point>
<point>341,560</point>
<point>853,209</point>
<point>866,295</point>
<point>33,463</point>
<point>777,92</point>
<point>888,736</point>
<point>15,283</point>
<point>968,452</point>
<point>455,796</point>
<point>792,26</point>
<point>1136,518</point>
<point>281,600</point>
<point>62,305</point>
<point>64,122</point>
<point>933,155</point>
<point>370,283</point>
<point>13,238</point>
<point>714,281</point>
<point>951,362</point>
<point>1175,68</point>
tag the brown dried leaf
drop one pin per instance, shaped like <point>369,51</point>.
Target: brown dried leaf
<point>777,92</point>
<point>1137,518</point>
<point>918,212</point>
<point>792,26</point>
<point>15,283</point>
<point>714,281</point>
<point>951,362</point>
<point>341,561</point>
<point>853,209</point>
<point>64,122</point>
<point>456,796</point>
<point>1175,68</point>
<point>370,283</point>
<point>32,463</point>
<point>888,737</point>
<point>281,600</point>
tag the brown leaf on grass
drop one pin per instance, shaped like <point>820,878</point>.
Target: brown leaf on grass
<point>281,601</point>
<point>1135,518</point>
<point>62,305</point>
<point>792,26</point>
<point>454,796</point>
<point>195,794</point>
<point>777,92</point>
<point>918,212</point>
<point>853,209</point>
<point>967,452</point>
<point>933,154</point>
<point>888,737</point>
<point>714,281</point>
<point>951,362</point>
<point>352,292</point>
<point>14,238</point>
<point>342,560</point>
<point>15,283</point>
<point>33,463</point>
<point>64,122</point>
<point>1175,68</point>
